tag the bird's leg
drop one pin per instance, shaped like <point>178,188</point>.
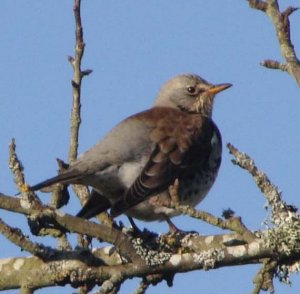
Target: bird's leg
<point>172,228</point>
<point>145,234</point>
<point>134,226</point>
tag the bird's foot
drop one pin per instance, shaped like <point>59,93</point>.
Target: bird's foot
<point>174,230</point>
<point>136,232</point>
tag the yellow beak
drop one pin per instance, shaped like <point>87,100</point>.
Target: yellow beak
<point>218,88</point>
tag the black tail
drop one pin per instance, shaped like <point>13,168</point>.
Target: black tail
<point>67,177</point>
<point>96,204</point>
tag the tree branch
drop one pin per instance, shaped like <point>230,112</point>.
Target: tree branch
<point>231,223</point>
<point>73,267</point>
<point>281,23</point>
<point>73,224</point>
<point>18,238</point>
<point>75,120</point>
<point>78,74</point>
<point>270,191</point>
<point>284,236</point>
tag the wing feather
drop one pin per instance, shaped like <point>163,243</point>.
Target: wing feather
<point>177,143</point>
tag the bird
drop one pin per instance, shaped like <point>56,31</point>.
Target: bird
<point>132,167</point>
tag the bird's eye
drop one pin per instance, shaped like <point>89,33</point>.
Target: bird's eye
<point>191,90</point>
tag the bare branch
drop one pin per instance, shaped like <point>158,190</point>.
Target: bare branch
<point>264,277</point>
<point>231,223</point>
<point>74,224</point>
<point>26,290</point>
<point>269,190</point>
<point>234,223</point>
<point>78,74</point>
<point>16,166</point>
<point>143,286</point>
<point>18,238</point>
<point>273,64</point>
<point>28,198</point>
<point>76,83</point>
<point>281,23</point>
<point>258,4</point>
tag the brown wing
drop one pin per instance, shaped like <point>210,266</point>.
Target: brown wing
<point>179,139</point>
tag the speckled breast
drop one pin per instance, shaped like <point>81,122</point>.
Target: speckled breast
<point>195,185</point>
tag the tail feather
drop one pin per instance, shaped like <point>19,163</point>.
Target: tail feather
<point>67,177</point>
<point>96,204</point>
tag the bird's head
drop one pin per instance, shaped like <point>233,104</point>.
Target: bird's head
<point>189,93</point>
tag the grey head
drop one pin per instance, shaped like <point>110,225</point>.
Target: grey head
<point>189,93</point>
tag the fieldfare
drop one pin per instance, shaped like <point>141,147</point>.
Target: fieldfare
<point>131,168</point>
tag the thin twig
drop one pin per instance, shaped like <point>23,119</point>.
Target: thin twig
<point>258,4</point>
<point>76,83</point>
<point>16,236</point>
<point>281,23</point>
<point>153,279</point>
<point>28,198</point>
<point>16,166</point>
<point>141,289</point>
<point>231,223</point>
<point>26,290</point>
<point>112,285</point>
<point>78,74</point>
<point>263,280</point>
<point>269,190</point>
<point>273,64</point>
<point>234,223</point>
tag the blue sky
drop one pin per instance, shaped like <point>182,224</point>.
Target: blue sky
<point>133,47</point>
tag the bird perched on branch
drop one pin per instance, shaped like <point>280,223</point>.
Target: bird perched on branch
<point>132,167</point>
